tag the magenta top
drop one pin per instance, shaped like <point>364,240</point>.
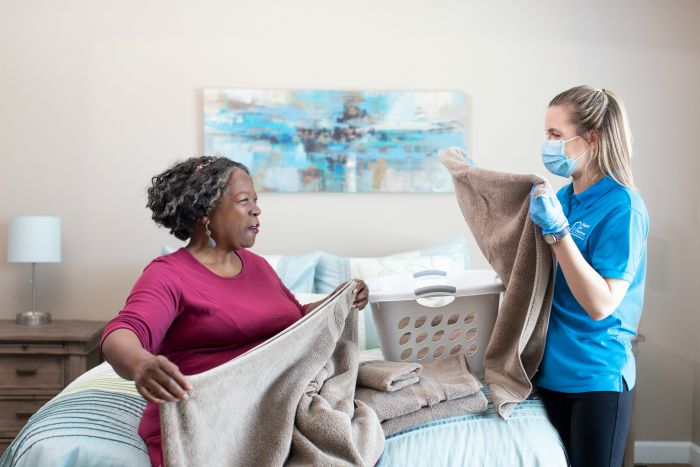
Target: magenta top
<point>199,320</point>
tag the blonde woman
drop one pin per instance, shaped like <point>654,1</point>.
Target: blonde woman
<point>597,226</point>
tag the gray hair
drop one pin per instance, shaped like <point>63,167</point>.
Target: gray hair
<point>188,191</point>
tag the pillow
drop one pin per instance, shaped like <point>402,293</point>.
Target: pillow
<point>296,272</point>
<point>167,249</point>
<point>333,270</point>
<point>370,268</point>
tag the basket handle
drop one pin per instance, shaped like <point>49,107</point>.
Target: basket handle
<point>435,289</point>
<point>429,272</point>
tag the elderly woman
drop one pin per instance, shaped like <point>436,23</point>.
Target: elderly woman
<point>208,302</point>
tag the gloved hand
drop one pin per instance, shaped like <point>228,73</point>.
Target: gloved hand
<point>545,209</point>
<point>463,154</point>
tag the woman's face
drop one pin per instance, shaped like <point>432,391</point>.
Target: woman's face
<point>234,222</point>
<point>557,125</point>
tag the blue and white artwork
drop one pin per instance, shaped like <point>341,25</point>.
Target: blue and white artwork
<point>337,141</point>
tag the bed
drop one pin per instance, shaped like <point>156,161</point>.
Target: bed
<point>94,421</point>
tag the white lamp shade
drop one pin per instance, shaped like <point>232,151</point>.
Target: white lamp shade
<point>34,239</point>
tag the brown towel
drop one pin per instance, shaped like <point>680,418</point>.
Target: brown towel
<point>496,208</point>
<point>388,376</point>
<point>475,403</point>
<point>289,400</point>
<point>444,379</point>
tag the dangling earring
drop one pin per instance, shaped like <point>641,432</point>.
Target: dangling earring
<point>211,243</point>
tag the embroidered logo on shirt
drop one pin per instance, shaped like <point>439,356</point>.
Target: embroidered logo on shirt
<point>579,230</point>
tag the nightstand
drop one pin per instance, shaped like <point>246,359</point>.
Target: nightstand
<point>37,362</point>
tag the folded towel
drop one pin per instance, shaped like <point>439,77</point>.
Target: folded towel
<point>495,205</point>
<point>473,404</point>
<point>387,376</point>
<point>289,400</point>
<point>440,380</point>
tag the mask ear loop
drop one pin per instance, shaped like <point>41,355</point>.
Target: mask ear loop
<point>588,160</point>
<point>584,152</point>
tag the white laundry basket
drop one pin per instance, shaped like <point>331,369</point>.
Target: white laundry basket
<point>433,314</point>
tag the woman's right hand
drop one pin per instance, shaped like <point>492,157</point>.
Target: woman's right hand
<point>159,380</point>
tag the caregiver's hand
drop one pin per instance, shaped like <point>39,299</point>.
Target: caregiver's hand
<point>545,209</point>
<point>159,380</point>
<point>463,154</point>
<point>362,294</point>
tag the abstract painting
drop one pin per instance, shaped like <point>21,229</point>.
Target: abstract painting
<point>337,141</point>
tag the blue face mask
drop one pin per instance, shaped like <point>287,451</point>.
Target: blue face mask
<point>555,159</point>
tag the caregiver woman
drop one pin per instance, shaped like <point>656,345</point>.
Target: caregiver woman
<point>597,226</point>
<point>206,303</point>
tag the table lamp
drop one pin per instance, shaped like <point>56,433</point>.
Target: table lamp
<point>34,239</point>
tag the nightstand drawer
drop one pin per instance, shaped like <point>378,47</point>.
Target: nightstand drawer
<point>14,413</point>
<point>31,371</point>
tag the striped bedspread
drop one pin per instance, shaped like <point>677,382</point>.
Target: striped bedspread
<point>92,422</point>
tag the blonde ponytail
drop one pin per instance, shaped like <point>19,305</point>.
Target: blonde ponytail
<point>602,111</point>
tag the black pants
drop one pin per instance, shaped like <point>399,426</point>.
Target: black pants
<point>592,425</point>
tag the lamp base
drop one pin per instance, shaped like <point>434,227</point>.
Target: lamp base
<point>33,318</point>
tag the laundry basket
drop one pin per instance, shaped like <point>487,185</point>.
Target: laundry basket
<point>433,314</point>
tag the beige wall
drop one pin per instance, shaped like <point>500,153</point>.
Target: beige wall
<point>96,97</point>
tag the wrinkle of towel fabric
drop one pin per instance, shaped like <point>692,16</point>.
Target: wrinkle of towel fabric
<point>441,380</point>
<point>495,205</point>
<point>446,389</point>
<point>288,401</point>
<point>388,376</point>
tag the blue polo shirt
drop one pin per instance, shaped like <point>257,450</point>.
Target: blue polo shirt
<point>609,224</point>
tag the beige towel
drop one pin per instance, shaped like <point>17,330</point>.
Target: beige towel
<point>444,379</point>
<point>475,403</point>
<point>290,399</point>
<point>388,376</point>
<point>496,207</point>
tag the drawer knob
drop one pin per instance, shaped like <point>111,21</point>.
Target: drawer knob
<point>26,371</point>
<point>23,414</point>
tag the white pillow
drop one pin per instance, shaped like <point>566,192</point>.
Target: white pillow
<point>370,268</point>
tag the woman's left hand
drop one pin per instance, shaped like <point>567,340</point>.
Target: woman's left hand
<point>362,294</point>
<point>545,210</point>
<point>463,154</point>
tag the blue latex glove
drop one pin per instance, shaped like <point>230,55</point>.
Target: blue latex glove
<point>464,156</point>
<point>546,211</point>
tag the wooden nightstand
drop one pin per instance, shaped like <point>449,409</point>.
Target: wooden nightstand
<point>37,362</point>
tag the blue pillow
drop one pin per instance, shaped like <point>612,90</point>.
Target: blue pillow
<point>297,272</point>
